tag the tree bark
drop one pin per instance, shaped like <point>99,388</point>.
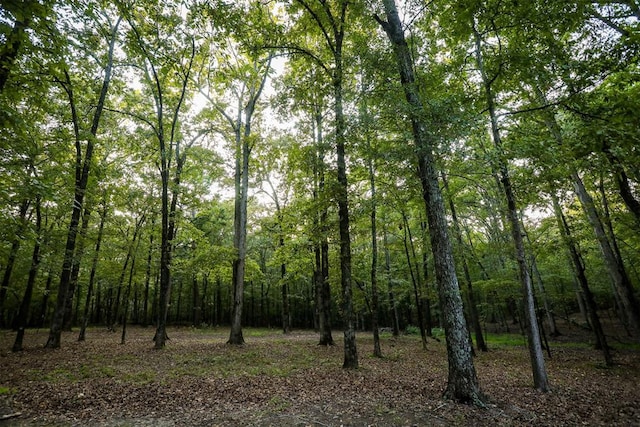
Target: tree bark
<point>15,39</point>
<point>540,378</point>
<point>579,268</point>
<point>75,272</point>
<point>323,288</point>
<point>462,384</point>
<point>82,170</point>
<point>92,275</point>
<point>617,272</point>
<point>392,299</point>
<point>23,313</point>
<point>415,278</point>
<point>377,351</point>
<point>13,253</point>
<point>473,308</point>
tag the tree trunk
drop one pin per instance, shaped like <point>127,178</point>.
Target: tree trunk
<point>45,299</point>
<point>622,180</point>
<point>75,272</point>
<point>617,272</point>
<point>239,240</point>
<point>540,378</point>
<point>473,308</point>
<point>21,321</point>
<point>392,300</point>
<point>323,288</point>
<point>13,41</point>
<point>286,316</point>
<point>147,275</point>
<point>579,268</point>
<point>243,151</point>
<point>15,245</point>
<point>415,279</point>
<point>462,384</point>
<point>377,352</point>
<point>92,275</point>
<point>82,169</point>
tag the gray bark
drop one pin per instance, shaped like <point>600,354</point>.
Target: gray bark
<point>462,384</point>
<point>540,378</point>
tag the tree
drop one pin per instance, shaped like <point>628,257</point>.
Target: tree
<point>165,64</point>
<point>82,169</point>
<point>540,379</point>
<point>330,19</point>
<point>462,384</point>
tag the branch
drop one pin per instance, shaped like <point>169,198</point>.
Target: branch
<point>316,18</point>
<point>135,116</point>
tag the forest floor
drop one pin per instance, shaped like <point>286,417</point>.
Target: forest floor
<point>288,380</point>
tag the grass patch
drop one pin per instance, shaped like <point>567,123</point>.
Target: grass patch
<point>6,391</point>
<point>139,378</point>
<point>505,340</point>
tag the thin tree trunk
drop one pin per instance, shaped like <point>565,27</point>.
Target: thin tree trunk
<point>243,151</point>
<point>323,288</point>
<point>377,351</point>
<point>473,308</point>
<point>13,253</point>
<point>14,40</point>
<point>45,299</point>
<point>75,272</point>
<point>21,321</point>
<point>82,169</point>
<point>392,299</point>
<point>622,180</point>
<point>415,279</point>
<point>579,268</point>
<point>350,349</point>
<point>125,310</point>
<point>462,384</point>
<point>617,272</point>
<point>286,316</point>
<point>147,275</point>
<point>540,379</point>
<point>92,275</point>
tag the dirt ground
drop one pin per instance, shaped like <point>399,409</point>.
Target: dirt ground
<point>277,380</point>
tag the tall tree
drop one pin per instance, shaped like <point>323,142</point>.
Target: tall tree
<point>330,19</point>
<point>462,384</point>
<point>540,378</point>
<point>84,146</point>
<point>164,51</point>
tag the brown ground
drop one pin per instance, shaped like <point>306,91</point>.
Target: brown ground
<point>276,380</point>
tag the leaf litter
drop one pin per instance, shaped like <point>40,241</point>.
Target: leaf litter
<point>288,380</point>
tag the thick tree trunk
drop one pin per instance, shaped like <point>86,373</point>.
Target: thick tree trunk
<point>462,384</point>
